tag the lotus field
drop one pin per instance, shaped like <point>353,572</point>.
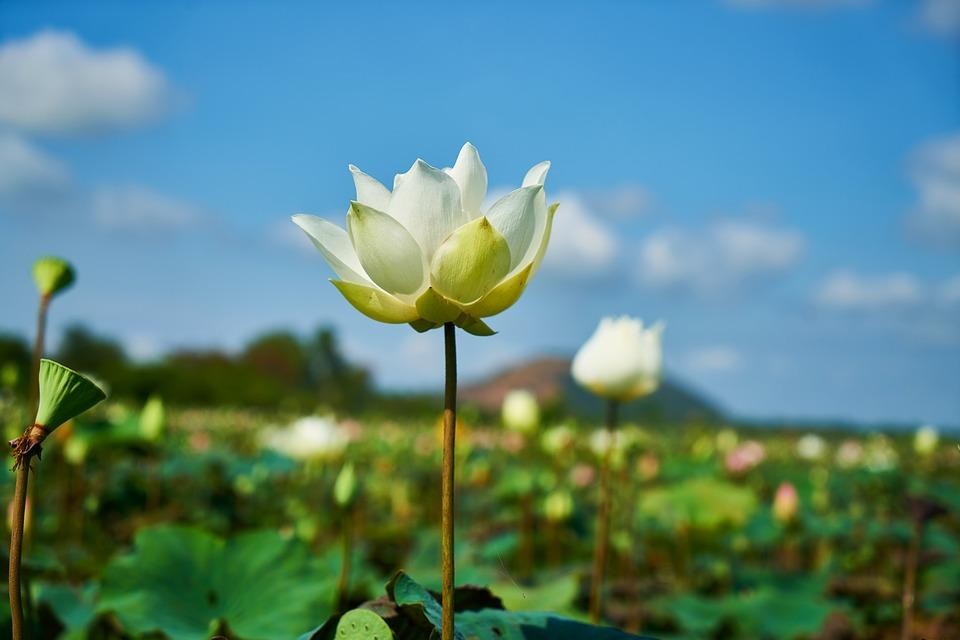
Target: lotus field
<point>262,525</point>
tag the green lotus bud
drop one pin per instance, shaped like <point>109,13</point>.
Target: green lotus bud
<point>52,275</point>
<point>520,411</point>
<point>64,394</point>
<point>152,419</point>
<point>345,486</point>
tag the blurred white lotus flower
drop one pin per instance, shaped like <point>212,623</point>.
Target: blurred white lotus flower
<point>880,454</point>
<point>926,439</point>
<point>811,447</point>
<point>308,438</point>
<point>520,411</point>
<point>601,441</point>
<point>425,254</point>
<point>621,360</point>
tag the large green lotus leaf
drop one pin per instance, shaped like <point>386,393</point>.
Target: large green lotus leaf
<point>73,606</point>
<point>417,604</point>
<point>699,503</point>
<point>556,594</point>
<point>185,582</point>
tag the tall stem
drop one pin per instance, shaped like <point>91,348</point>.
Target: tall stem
<point>343,583</point>
<point>910,580</point>
<point>16,548</point>
<point>603,518</point>
<point>37,354</point>
<point>447,480</point>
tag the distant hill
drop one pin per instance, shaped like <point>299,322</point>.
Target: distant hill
<point>550,380</point>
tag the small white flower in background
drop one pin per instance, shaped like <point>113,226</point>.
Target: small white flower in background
<point>520,411</point>
<point>308,438</point>
<point>926,439</point>
<point>621,360</point>
<point>811,447</point>
<point>425,254</point>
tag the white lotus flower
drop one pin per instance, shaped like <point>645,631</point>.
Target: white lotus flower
<point>621,360</point>
<point>811,447</point>
<point>926,439</point>
<point>425,254</point>
<point>308,438</point>
<point>520,411</point>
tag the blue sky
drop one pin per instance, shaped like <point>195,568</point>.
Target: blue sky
<point>779,180</point>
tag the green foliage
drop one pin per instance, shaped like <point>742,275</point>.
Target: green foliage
<point>190,585</point>
<point>698,503</point>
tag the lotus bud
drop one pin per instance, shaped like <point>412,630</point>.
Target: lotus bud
<point>52,275</point>
<point>621,360</point>
<point>786,503</point>
<point>520,411</point>
<point>558,505</point>
<point>745,457</point>
<point>152,419</point>
<point>926,439</point>
<point>345,486</point>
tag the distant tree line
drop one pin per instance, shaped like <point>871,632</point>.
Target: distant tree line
<point>277,369</point>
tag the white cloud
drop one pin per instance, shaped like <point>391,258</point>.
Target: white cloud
<point>54,83</point>
<point>846,290</point>
<point>140,210</point>
<point>714,359</point>
<point>581,246</point>
<point>941,17</point>
<point>27,174</point>
<point>718,258</point>
<point>623,202</point>
<point>935,172</point>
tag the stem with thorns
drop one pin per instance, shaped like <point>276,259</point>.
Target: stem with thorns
<point>603,518</point>
<point>447,479</point>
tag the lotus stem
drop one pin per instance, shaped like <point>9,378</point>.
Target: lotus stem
<point>447,479</point>
<point>16,547</point>
<point>910,580</point>
<point>343,582</point>
<point>603,519</point>
<point>37,354</point>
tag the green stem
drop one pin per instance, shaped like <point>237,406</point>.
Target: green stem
<point>343,583</point>
<point>16,548</point>
<point>603,519</point>
<point>447,479</point>
<point>37,354</point>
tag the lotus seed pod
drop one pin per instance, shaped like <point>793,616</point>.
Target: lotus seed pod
<point>52,275</point>
<point>64,394</point>
<point>520,411</point>
<point>362,624</point>
<point>345,486</point>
